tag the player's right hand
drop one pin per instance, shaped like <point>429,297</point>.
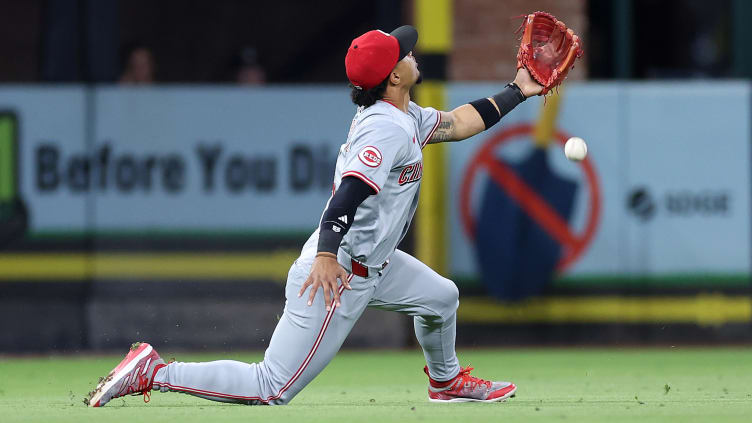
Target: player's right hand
<point>324,273</point>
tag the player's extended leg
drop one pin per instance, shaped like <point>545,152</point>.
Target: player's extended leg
<point>304,342</point>
<point>409,286</point>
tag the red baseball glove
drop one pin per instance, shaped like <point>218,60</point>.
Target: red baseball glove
<point>548,49</point>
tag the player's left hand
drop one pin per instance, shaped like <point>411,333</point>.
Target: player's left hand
<point>324,274</point>
<point>527,84</point>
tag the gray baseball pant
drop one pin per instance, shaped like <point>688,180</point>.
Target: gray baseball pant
<point>307,337</point>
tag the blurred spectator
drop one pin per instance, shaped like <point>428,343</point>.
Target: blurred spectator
<point>138,65</point>
<point>246,69</point>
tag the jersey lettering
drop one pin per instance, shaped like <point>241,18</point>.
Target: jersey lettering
<point>411,173</point>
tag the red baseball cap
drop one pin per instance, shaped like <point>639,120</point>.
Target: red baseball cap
<point>374,54</point>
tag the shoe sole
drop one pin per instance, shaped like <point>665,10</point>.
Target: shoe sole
<point>112,379</point>
<point>499,399</point>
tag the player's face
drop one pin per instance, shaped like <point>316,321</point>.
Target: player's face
<point>408,69</point>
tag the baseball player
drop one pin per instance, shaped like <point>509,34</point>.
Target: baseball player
<point>351,262</point>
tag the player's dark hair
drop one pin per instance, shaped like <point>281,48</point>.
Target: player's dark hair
<point>368,97</point>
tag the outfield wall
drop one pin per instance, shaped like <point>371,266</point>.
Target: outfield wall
<point>670,167</point>
<point>197,199</point>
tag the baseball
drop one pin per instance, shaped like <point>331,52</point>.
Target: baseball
<point>575,149</point>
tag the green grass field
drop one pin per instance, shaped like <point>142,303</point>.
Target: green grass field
<point>579,385</point>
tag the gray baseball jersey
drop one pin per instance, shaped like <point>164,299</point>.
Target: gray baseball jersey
<point>384,150</point>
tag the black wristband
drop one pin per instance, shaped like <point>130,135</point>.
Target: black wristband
<point>335,223</point>
<point>518,89</point>
<point>506,100</point>
<point>329,241</point>
<point>509,98</point>
<point>487,111</point>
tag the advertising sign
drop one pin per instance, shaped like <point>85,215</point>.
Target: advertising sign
<point>664,191</point>
<point>666,178</point>
<point>175,158</point>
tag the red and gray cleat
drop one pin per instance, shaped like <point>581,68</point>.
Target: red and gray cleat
<point>466,388</point>
<point>134,375</point>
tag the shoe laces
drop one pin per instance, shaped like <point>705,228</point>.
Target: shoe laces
<point>143,387</point>
<point>472,382</point>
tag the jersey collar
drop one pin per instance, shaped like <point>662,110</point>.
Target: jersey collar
<point>393,105</point>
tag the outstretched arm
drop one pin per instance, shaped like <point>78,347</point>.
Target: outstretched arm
<point>473,118</point>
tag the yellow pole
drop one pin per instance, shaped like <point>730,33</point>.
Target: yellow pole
<point>546,125</point>
<point>433,20</point>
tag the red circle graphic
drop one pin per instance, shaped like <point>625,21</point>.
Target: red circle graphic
<point>528,200</point>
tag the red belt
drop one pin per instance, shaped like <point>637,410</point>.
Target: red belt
<point>362,271</point>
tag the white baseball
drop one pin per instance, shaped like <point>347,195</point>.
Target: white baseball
<point>575,149</point>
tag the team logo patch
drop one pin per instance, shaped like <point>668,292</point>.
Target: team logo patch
<point>370,156</point>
